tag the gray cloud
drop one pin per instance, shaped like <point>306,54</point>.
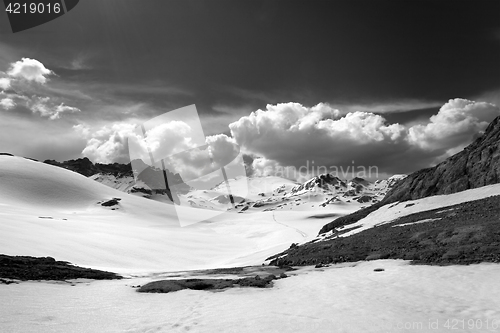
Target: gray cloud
<point>290,134</point>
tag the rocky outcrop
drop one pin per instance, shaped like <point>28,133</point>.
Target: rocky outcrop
<point>46,268</point>
<point>82,165</point>
<point>475,166</point>
<point>85,167</point>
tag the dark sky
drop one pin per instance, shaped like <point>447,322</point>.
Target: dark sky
<point>250,53</point>
<point>109,64</point>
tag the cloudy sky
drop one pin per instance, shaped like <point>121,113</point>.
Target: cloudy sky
<point>395,84</point>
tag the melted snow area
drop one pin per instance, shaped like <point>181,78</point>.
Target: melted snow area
<point>50,211</point>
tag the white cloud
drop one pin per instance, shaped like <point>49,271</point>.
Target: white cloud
<point>107,144</point>
<point>290,134</point>
<point>454,125</point>
<point>30,70</point>
<point>169,138</point>
<point>404,105</point>
<point>171,141</point>
<point>4,83</point>
<point>43,106</point>
<point>27,96</point>
<point>222,148</point>
<point>7,103</point>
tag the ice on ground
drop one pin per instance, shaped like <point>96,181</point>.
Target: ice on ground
<point>341,298</point>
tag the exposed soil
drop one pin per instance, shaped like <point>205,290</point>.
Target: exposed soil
<point>461,234</point>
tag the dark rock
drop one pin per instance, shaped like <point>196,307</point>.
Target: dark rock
<point>82,166</point>
<point>166,286</point>
<point>228,198</point>
<point>112,202</point>
<point>47,268</point>
<point>364,199</point>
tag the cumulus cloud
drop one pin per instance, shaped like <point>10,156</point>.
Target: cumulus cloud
<point>170,138</point>
<point>7,103</point>
<point>222,149</point>
<point>27,96</point>
<point>454,125</point>
<point>107,144</point>
<point>293,135</point>
<point>30,70</point>
<point>170,143</point>
<point>4,83</point>
<point>295,141</point>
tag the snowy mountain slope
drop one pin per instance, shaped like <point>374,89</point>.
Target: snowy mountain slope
<point>123,184</point>
<point>50,211</point>
<point>323,192</point>
<point>252,194</point>
<point>243,190</point>
<point>252,187</point>
<point>269,193</point>
<point>391,212</point>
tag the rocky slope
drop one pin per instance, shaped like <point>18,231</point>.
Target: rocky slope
<point>465,233</point>
<point>85,167</point>
<point>475,166</point>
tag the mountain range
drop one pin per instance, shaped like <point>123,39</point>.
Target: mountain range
<point>265,193</point>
